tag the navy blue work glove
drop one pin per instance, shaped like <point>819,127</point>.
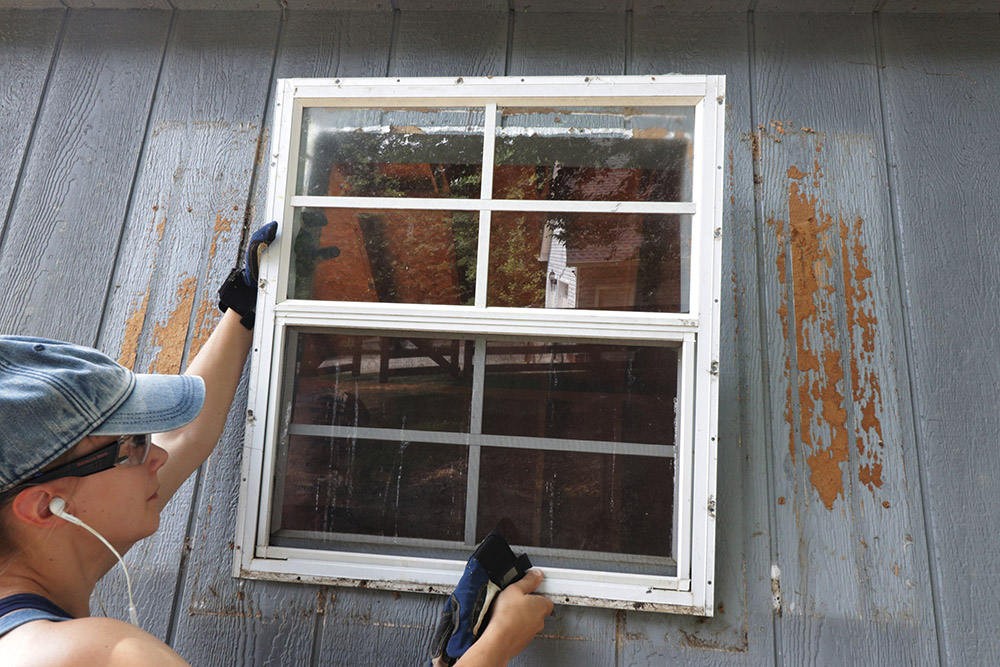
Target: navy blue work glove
<point>491,569</point>
<point>239,291</point>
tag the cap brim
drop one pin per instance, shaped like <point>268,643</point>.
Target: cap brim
<point>158,403</point>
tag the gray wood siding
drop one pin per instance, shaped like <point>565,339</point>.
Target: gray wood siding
<point>859,399</point>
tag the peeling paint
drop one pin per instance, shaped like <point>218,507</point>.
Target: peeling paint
<point>810,252</point>
<point>692,640</point>
<point>170,336</point>
<point>137,318</point>
<point>208,313</point>
<point>133,329</point>
<point>776,589</point>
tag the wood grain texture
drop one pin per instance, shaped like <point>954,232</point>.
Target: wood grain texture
<point>601,6</point>
<point>118,4</point>
<point>450,44</point>
<point>849,514</point>
<point>228,5</point>
<point>29,42</point>
<point>640,7</point>
<point>817,6</point>
<point>452,5</point>
<point>87,140</point>
<point>567,43</point>
<point>940,6</point>
<point>942,92</point>
<point>182,238</point>
<point>31,4</point>
<point>740,631</point>
<point>182,235</point>
<point>337,6</point>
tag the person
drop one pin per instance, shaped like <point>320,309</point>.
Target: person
<point>79,473</point>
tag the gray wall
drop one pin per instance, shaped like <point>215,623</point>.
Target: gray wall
<point>859,404</point>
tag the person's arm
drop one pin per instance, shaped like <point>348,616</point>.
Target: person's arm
<point>517,617</point>
<point>219,363</point>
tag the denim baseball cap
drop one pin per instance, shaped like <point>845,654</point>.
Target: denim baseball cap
<point>53,394</point>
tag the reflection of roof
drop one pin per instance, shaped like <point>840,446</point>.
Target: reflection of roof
<point>621,245</point>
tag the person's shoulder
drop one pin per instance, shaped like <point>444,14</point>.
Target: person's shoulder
<point>85,641</point>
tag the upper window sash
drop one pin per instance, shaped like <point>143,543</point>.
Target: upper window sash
<point>491,94</point>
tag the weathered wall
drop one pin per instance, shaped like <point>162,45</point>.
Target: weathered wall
<point>859,399</point>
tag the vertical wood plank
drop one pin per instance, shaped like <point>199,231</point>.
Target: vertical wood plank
<point>187,221</point>
<point>566,43</point>
<point>942,91</point>
<point>450,44</point>
<point>741,630</point>
<point>849,516</point>
<point>29,42</point>
<point>181,237</point>
<point>65,225</point>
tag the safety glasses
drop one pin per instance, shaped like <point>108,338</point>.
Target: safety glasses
<point>128,450</point>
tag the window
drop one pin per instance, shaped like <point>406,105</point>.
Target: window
<point>492,304</point>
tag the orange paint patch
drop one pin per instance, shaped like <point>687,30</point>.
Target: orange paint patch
<point>208,312</point>
<point>807,261</point>
<point>133,329</point>
<point>170,336</point>
<point>866,391</point>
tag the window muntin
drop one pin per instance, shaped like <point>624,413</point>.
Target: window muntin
<point>686,322</point>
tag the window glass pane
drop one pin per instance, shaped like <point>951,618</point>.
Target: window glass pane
<point>596,154</point>
<point>371,487</point>
<point>390,152</point>
<point>388,256</point>
<point>598,261</point>
<point>577,501</point>
<point>350,457</point>
<point>381,382</point>
<point>580,391</point>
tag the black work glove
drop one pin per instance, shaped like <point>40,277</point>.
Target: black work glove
<point>239,291</point>
<point>491,569</point>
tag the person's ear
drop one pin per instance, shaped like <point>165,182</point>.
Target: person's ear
<point>32,506</point>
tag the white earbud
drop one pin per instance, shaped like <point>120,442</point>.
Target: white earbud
<point>58,507</point>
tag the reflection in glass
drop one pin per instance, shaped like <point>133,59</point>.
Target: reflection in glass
<point>370,487</point>
<point>578,501</point>
<point>594,154</point>
<point>598,261</point>
<point>390,152</point>
<point>382,382</point>
<point>581,391</point>
<point>388,256</point>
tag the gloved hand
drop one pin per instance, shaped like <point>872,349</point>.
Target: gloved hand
<point>492,568</point>
<point>239,291</point>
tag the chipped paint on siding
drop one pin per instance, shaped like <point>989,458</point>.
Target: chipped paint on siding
<point>137,318</point>
<point>866,390</point>
<point>170,335</point>
<point>208,313</point>
<point>811,250</point>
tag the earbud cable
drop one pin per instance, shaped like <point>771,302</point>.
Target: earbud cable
<point>132,612</point>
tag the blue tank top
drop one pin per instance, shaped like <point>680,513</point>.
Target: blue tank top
<point>16,610</point>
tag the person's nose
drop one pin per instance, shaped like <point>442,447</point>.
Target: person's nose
<point>157,457</point>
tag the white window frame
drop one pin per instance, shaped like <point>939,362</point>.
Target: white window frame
<point>696,332</point>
